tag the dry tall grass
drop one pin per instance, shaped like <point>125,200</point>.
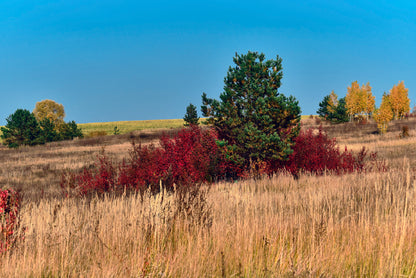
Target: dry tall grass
<point>360,225</point>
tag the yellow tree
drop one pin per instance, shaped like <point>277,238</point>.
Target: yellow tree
<point>384,114</point>
<point>332,102</point>
<point>369,101</point>
<point>400,102</point>
<point>49,109</point>
<point>359,100</point>
<point>351,99</point>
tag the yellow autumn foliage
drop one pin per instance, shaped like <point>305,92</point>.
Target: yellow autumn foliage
<point>333,102</point>
<point>400,102</point>
<point>49,109</point>
<point>384,114</point>
<point>359,100</point>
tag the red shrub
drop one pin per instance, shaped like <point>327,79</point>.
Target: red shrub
<point>193,156</point>
<point>9,214</point>
<point>142,169</point>
<point>317,153</point>
<point>102,181</point>
<point>89,181</point>
<point>190,157</point>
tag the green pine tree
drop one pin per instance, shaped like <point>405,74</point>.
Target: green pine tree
<point>254,121</point>
<point>21,129</point>
<point>337,114</point>
<point>191,116</point>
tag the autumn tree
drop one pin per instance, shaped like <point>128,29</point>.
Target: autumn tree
<point>49,109</point>
<point>400,102</point>
<point>384,114</point>
<point>360,101</point>
<point>332,102</point>
<point>253,120</point>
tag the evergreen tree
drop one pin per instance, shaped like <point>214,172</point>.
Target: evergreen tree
<point>332,109</point>
<point>254,121</point>
<point>191,116</point>
<point>340,115</point>
<point>323,111</point>
<point>48,131</point>
<point>70,131</point>
<point>21,129</point>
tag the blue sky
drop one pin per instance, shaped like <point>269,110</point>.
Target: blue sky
<point>139,60</point>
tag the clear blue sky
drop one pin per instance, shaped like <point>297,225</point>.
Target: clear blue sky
<point>137,60</point>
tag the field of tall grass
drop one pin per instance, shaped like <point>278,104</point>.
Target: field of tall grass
<point>355,225</point>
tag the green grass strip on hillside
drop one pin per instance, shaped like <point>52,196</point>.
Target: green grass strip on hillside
<point>128,126</point>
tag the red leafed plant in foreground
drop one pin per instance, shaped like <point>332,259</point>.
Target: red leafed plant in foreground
<point>10,201</point>
<point>191,157</point>
<point>315,152</point>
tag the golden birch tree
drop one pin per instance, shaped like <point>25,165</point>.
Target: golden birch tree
<point>49,109</point>
<point>359,100</point>
<point>369,103</point>
<point>332,102</point>
<point>384,114</point>
<point>351,99</point>
<point>400,102</point>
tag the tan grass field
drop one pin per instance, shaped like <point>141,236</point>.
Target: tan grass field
<point>357,225</point>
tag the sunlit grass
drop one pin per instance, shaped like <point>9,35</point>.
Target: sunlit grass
<point>351,226</point>
<point>128,126</point>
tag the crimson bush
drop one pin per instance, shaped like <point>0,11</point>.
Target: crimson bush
<point>10,201</point>
<point>191,157</point>
<point>315,152</point>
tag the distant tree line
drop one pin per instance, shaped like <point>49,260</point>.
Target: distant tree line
<point>45,124</point>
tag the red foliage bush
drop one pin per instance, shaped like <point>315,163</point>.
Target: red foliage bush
<point>317,153</point>
<point>10,201</point>
<point>142,169</point>
<point>191,157</point>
